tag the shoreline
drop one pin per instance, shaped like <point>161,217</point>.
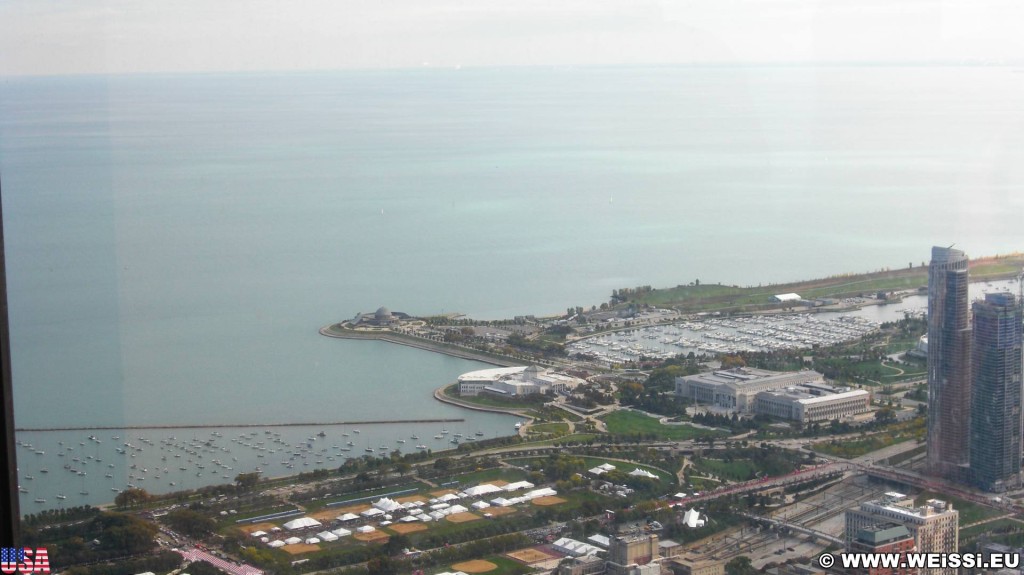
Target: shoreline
<point>426,345</point>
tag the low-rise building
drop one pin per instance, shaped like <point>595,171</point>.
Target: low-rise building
<point>808,404</point>
<point>735,389</point>
<point>585,565</point>
<point>515,381</point>
<point>692,564</point>
<point>634,555</point>
<point>889,538</point>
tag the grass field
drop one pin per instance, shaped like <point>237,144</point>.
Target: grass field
<point>625,422</point>
<point>969,512</point>
<point>736,470</point>
<point>506,566</point>
<point>529,555</point>
<point>560,428</point>
<point>713,297</point>
<point>490,475</point>
<point>475,566</point>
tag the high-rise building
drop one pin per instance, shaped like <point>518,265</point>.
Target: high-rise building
<point>996,392</point>
<point>949,364</point>
<point>934,525</point>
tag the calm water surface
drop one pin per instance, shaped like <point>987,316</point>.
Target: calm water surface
<point>174,242</point>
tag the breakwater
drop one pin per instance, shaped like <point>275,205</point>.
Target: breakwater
<point>233,425</point>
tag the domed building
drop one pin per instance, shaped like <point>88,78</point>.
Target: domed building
<point>383,317</point>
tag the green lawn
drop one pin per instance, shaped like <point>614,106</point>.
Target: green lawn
<point>549,428</point>
<point>736,470</point>
<point>969,512</point>
<point>476,477</point>
<point>507,566</point>
<point>625,422</point>
<point>342,499</point>
<point>1006,531</point>
<point>565,439</point>
<point>592,462</point>
<point>709,297</point>
<point>851,448</point>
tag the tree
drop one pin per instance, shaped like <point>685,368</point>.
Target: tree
<point>885,415</point>
<point>121,533</point>
<point>381,566</point>
<point>190,522</point>
<point>131,497</point>
<point>740,566</point>
<point>247,481</point>
<point>396,544</point>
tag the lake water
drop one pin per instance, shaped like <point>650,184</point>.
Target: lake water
<point>174,242</point>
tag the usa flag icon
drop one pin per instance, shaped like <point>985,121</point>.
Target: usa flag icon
<point>10,557</point>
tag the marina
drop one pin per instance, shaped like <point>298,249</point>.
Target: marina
<point>774,332</point>
<point>65,468</point>
<point>721,336</point>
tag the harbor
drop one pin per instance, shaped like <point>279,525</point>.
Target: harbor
<point>722,336</point>
<point>65,468</point>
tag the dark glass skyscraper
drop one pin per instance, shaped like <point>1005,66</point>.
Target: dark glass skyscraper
<point>949,364</point>
<point>996,392</point>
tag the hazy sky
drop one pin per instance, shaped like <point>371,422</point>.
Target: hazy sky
<point>115,36</point>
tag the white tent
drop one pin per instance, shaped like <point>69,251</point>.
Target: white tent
<point>265,539</point>
<point>517,486</point>
<point>440,506</point>
<point>574,548</point>
<point>692,519</point>
<point>456,509</point>
<point>302,523</point>
<point>366,529</point>
<point>501,502</point>
<point>276,544</point>
<point>385,523</point>
<point>447,497</point>
<point>680,495</point>
<point>409,519</point>
<point>542,492</point>
<point>424,518</point>
<point>436,515</point>
<point>348,517</point>
<point>292,541</point>
<point>372,512</point>
<point>641,473</point>
<point>483,489</point>
<point>258,533</point>
<point>385,504</point>
<point>341,532</point>
<point>312,541</point>
<point>480,505</point>
<point>327,536</point>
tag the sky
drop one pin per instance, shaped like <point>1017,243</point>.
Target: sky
<point>47,37</point>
